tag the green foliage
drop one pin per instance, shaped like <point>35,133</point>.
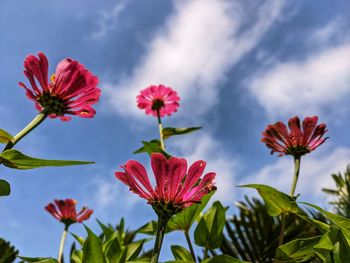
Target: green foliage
<point>276,202</point>
<point>113,245</point>
<point>5,188</point>
<point>252,234</point>
<point>92,251</point>
<point>5,137</point>
<point>17,160</point>
<point>169,131</point>
<point>39,260</point>
<point>152,146</point>
<point>181,253</point>
<point>223,259</point>
<point>298,250</point>
<point>341,204</point>
<point>184,220</point>
<point>8,253</point>
<point>208,232</point>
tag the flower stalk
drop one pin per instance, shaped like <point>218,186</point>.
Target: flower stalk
<point>188,239</point>
<point>63,239</point>
<point>296,174</point>
<point>31,126</point>
<point>160,126</point>
<point>162,223</point>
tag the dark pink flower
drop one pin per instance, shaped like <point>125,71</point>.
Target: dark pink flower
<point>298,140</point>
<point>159,98</point>
<point>65,211</point>
<point>176,188</point>
<point>72,89</point>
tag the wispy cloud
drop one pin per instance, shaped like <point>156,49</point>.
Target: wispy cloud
<point>316,84</point>
<point>315,173</point>
<point>192,53</point>
<point>107,21</point>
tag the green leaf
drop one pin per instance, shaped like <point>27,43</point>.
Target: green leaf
<point>152,147</point>
<point>79,239</point>
<point>107,230</point>
<point>17,160</point>
<point>181,253</point>
<point>223,259</point>
<point>39,260</point>
<point>134,249</point>
<point>93,249</point>
<point>149,228</point>
<point>342,222</point>
<point>208,233</point>
<point>298,250</point>
<point>5,188</point>
<point>185,219</point>
<point>169,131</point>
<point>5,137</point>
<point>276,202</point>
<point>8,253</point>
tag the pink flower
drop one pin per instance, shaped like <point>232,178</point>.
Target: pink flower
<point>72,89</point>
<point>159,98</point>
<point>299,140</point>
<point>175,188</point>
<point>65,211</point>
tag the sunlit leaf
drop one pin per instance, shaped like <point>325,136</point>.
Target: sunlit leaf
<point>17,160</point>
<point>276,202</point>
<point>39,260</point>
<point>185,219</point>
<point>208,232</point>
<point>5,137</point>
<point>169,131</point>
<point>223,259</point>
<point>152,146</point>
<point>92,251</point>
<point>181,253</point>
<point>298,250</point>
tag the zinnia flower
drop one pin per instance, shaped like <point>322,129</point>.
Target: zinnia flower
<point>299,140</point>
<point>65,211</point>
<point>175,188</point>
<point>72,89</point>
<point>158,98</point>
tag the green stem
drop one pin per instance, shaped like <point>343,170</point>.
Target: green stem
<point>283,229</point>
<point>31,126</point>
<point>188,239</point>
<point>296,174</point>
<point>159,239</point>
<point>63,239</point>
<point>160,126</point>
<point>205,252</point>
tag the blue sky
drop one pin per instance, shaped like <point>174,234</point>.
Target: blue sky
<point>237,66</point>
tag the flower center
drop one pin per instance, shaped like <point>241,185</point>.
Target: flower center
<point>165,210</point>
<point>53,104</point>
<point>157,104</point>
<point>297,150</point>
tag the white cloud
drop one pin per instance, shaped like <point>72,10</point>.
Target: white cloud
<point>333,32</point>
<point>315,174</point>
<point>107,21</point>
<point>204,147</point>
<point>192,53</point>
<point>317,84</point>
